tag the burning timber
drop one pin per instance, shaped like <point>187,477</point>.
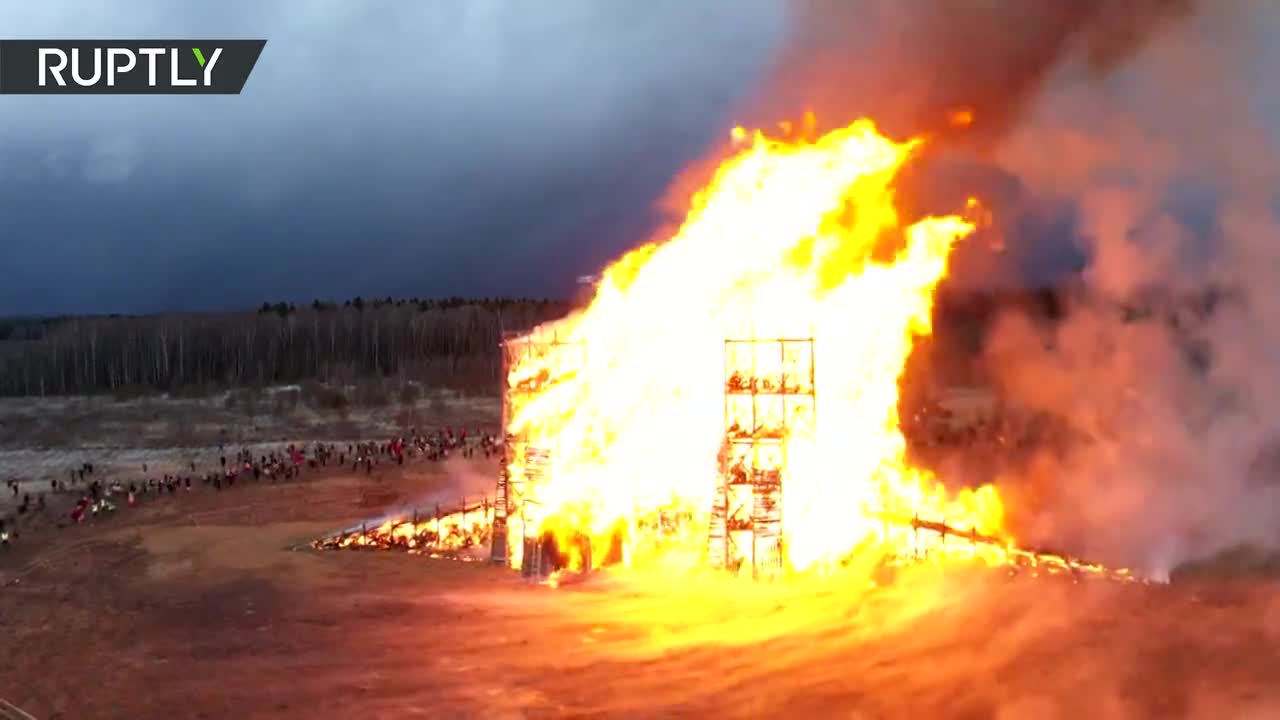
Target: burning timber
<point>683,408</point>
<point>465,535</point>
<point>932,540</point>
<point>460,534</point>
<point>741,536</point>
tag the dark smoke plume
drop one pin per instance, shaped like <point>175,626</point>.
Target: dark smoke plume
<point>911,64</point>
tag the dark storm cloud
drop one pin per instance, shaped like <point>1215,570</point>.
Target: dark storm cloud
<point>379,148</point>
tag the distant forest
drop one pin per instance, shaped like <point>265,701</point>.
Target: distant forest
<point>452,342</point>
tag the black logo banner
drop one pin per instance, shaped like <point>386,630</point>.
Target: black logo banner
<point>127,67</point>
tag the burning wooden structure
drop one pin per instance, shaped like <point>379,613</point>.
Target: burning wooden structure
<point>462,532</point>
<point>770,400</point>
<point>528,363</point>
<point>769,403</point>
<point>603,452</point>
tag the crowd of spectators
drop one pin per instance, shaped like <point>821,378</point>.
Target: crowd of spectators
<point>86,492</point>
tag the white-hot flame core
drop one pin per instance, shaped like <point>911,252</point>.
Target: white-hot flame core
<point>788,240</point>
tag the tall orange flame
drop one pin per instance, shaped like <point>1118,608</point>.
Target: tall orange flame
<point>793,237</point>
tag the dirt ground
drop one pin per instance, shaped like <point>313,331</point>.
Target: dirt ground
<point>199,608</point>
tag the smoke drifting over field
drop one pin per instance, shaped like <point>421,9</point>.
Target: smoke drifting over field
<point>1137,117</point>
<point>1135,120</point>
<point>1173,180</point>
<point>1134,124</point>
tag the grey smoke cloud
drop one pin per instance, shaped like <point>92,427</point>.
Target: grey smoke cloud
<point>1144,132</point>
<point>1172,166</point>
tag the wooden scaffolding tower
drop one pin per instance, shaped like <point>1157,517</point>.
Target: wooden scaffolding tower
<point>523,466</point>
<point>769,402</point>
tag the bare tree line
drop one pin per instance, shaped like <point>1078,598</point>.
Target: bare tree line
<point>444,343</point>
<point>451,343</point>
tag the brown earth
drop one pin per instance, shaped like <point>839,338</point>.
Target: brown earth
<point>196,607</point>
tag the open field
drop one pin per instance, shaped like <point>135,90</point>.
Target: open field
<point>196,607</point>
<point>46,438</point>
<point>86,423</point>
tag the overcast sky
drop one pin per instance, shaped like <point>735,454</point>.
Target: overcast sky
<point>379,148</point>
<point>473,147</point>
